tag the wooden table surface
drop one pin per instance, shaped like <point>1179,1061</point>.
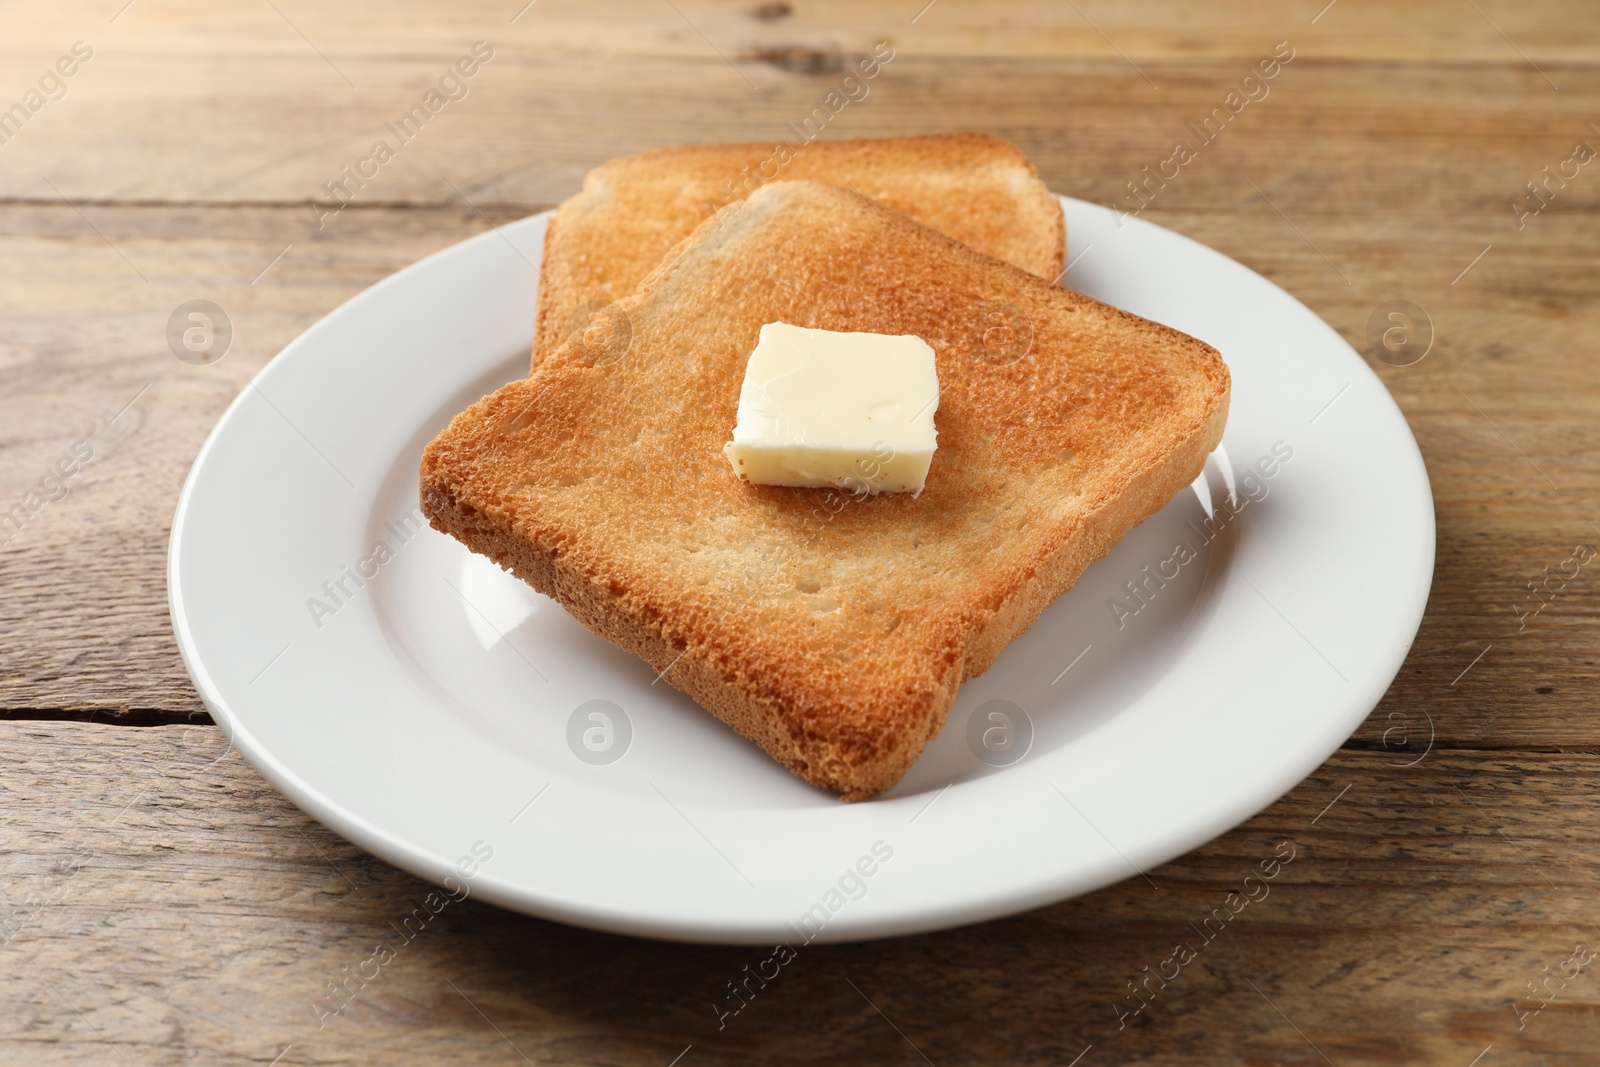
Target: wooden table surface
<point>160,903</point>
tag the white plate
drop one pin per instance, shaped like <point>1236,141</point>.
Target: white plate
<point>426,712</point>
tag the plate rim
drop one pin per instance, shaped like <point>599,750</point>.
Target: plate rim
<point>916,915</point>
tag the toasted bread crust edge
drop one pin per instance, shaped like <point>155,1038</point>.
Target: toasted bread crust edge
<point>545,303</point>
<point>1058,238</point>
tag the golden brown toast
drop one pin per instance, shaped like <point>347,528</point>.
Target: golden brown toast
<point>602,242</point>
<point>832,634</point>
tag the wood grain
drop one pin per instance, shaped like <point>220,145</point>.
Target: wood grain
<point>193,914</point>
<point>201,916</point>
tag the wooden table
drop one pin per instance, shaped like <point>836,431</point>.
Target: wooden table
<point>162,904</point>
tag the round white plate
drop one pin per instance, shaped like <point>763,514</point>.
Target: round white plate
<point>441,714</point>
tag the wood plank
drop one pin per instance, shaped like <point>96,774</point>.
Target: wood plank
<point>260,113</point>
<point>191,912</point>
<point>1362,29</point>
<point>160,903</point>
<point>84,625</point>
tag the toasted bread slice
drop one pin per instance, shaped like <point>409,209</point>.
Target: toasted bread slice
<point>975,187</point>
<point>832,631</point>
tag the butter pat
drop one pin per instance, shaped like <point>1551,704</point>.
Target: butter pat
<point>825,408</point>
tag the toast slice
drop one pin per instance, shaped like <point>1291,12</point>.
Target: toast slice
<point>977,188</point>
<point>832,631</point>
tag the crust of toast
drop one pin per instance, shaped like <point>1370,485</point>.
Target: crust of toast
<point>832,631</point>
<point>978,188</point>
